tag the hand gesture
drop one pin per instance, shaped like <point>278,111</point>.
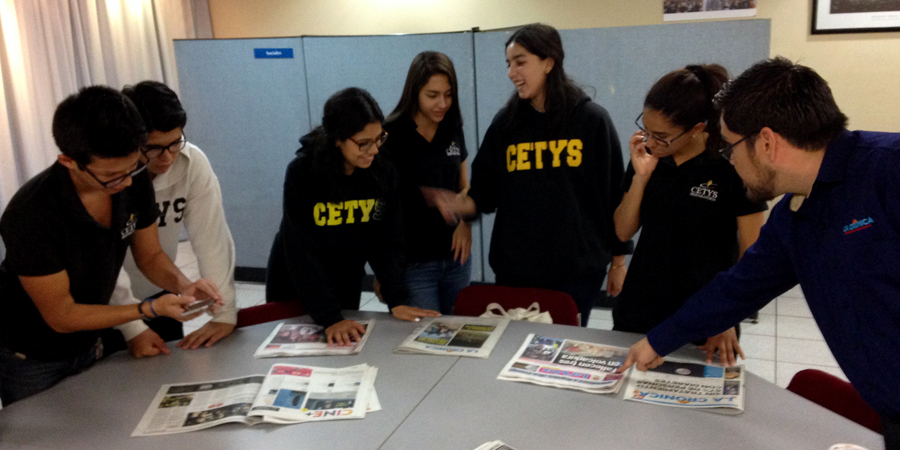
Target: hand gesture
<point>208,334</point>
<point>147,343</point>
<point>727,344</point>
<point>462,242</point>
<point>642,355</point>
<point>344,333</point>
<point>643,162</point>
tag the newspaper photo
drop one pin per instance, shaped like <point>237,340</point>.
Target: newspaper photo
<point>568,364</point>
<point>306,339</point>
<point>288,394</point>
<point>494,445</point>
<point>458,336</point>
<point>689,385</point>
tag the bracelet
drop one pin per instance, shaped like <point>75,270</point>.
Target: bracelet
<point>155,315</point>
<point>141,310</point>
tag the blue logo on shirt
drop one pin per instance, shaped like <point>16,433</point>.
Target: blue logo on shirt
<point>857,225</point>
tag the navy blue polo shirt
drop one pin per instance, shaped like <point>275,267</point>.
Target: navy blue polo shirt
<point>47,230</point>
<point>842,244</point>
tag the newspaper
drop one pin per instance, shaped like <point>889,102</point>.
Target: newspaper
<point>306,339</point>
<point>457,336</point>
<point>689,385</point>
<point>287,394</point>
<point>494,445</point>
<point>566,363</point>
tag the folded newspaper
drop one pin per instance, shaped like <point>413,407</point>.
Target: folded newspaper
<point>306,339</point>
<point>689,385</point>
<point>458,336</point>
<point>569,364</point>
<point>288,394</point>
<point>494,445</point>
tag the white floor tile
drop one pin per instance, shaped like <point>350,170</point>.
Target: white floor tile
<point>785,371</point>
<point>760,367</point>
<point>797,307</point>
<point>794,292</point>
<point>765,326</point>
<point>600,324</point>
<point>771,308</point>
<point>798,327</point>
<point>758,347</point>
<point>601,313</point>
<point>804,351</point>
<point>375,306</point>
<point>250,285</point>
<point>246,297</point>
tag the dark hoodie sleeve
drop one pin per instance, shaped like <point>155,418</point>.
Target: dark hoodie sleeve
<point>611,181</point>
<point>485,189</point>
<point>389,252</point>
<point>303,253</point>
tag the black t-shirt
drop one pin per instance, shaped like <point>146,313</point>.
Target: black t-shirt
<point>429,164</point>
<point>688,235</point>
<point>47,230</point>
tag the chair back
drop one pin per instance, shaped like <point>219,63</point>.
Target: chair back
<point>268,312</point>
<point>835,394</point>
<point>473,301</point>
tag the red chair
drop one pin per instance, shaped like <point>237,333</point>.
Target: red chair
<point>473,301</point>
<point>835,394</point>
<point>267,312</point>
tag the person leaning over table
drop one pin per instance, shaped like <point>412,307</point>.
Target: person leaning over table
<point>688,201</point>
<point>66,232</point>
<point>550,165</point>
<point>341,210</point>
<point>836,231</point>
<point>188,197</point>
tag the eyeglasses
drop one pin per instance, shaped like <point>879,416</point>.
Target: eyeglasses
<point>729,149</point>
<point>115,181</point>
<point>153,151</point>
<point>367,144</point>
<point>662,142</point>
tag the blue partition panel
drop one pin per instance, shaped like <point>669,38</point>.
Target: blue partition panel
<point>247,108</point>
<point>379,64</point>
<point>617,66</point>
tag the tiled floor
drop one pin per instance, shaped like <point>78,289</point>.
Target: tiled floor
<point>785,341</point>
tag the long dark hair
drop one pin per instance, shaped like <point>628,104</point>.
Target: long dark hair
<point>561,94</point>
<point>423,67</point>
<point>685,97</point>
<point>347,112</point>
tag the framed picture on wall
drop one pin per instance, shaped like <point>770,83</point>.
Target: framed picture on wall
<point>855,16</point>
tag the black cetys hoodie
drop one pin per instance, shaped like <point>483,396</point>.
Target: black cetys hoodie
<point>554,192</point>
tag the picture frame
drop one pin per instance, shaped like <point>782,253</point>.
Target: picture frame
<point>855,16</point>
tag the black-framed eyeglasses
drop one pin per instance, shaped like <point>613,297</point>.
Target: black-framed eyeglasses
<point>367,144</point>
<point>153,151</point>
<point>142,166</point>
<point>729,149</point>
<point>662,142</point>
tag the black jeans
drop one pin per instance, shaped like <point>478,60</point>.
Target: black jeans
<point>891,430</point>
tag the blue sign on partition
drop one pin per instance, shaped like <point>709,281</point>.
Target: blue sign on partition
<point>273,53</point>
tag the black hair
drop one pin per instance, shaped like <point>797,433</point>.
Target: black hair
<point>347,112</point>
<point>423,67</point>
<point>561,94</point>
<point>97,122</point>
<point>792,100</point>
<point>685,97</point>
<point>158,105</point>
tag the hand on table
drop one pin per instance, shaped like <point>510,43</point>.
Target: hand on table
<point>642,355</point>
<point>344,333</point>
<point>412,313</point>
<point>207,335</point>
<point>727,344</point>
<point>147,343</point>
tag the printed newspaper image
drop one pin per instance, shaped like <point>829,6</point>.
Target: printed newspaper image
<point>457,336</point>
<point>569,364</point>
<point>288,394</point>
<point>689,385</point>
<point>494,445</point>
<point>306,339</point>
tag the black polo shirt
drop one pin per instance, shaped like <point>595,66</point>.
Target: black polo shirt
<point>688,235</point>
<point>430,164</point>
<point>46,230</point>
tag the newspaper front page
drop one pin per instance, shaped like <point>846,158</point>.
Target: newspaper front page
<point>689,385</point>
<point>288,394</point>
<point>566,363</point>
<point>306,339</point>
<point>458,336</point>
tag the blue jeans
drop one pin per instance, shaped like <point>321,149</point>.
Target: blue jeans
<point>435,284</point>
<point>21,378</point>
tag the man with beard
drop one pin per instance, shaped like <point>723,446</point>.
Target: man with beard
<point>836,232</point>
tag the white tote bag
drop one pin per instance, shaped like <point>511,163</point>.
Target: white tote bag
<point>532,314</point>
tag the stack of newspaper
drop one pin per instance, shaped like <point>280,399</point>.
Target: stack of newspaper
<point>494,445</point>
<point>689,385</point>
<point>306,339</point>
<point>457,336</point>
<point>568,364</point>
<point>288,394</point>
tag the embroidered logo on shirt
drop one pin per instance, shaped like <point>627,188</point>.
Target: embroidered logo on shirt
<point>857,225</point>
<point>130,226</point>
<point>453,149</point>
<point>706,191</point>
